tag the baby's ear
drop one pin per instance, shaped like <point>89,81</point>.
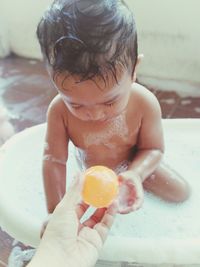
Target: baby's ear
<point>139,59</point>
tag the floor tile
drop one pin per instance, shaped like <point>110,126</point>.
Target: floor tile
<point>168,102</point>
<point>188,108</point>
<point>2,264</point>
<point>5,246</point>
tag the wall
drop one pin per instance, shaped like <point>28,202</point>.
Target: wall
<point>168,31</point>
<point>20,18</point>
<point>169,37</point>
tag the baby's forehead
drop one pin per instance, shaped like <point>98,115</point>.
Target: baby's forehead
<point>67,82</point>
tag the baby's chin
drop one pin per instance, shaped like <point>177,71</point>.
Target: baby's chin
<point>94,121</point>
<point>103,120</point>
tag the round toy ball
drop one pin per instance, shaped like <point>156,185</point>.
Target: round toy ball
<point>100,186</point>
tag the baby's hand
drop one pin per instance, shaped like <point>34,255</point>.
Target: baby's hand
<point>131,192</point>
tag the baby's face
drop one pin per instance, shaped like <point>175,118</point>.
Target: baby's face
<point>95,100</point>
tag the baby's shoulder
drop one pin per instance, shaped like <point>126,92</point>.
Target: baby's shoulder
<point>143,97</point>
<point>57,110</point>
<point>57,105</point>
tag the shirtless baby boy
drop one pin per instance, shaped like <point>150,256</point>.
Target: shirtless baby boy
<point>90,48</point>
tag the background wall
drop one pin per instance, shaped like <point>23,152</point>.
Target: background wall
<point>169,37</point>
<point>168,31</point>
<point>19,19</point>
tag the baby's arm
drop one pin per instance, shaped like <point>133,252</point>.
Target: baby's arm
<point>149,153</point>
<point>55,155</point>
<point>150,141</point>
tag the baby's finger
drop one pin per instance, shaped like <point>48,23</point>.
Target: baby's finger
<point>125,210</point>
<point>138,202</point>
<point>95,218</point>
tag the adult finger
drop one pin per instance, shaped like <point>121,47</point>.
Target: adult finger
<point>72,196</point>
<point>64,220</point>
<point>81,209</point>
<point>104,226</point>
<point>64,217</point>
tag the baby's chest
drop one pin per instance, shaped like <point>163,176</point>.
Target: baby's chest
<point>115,134</point>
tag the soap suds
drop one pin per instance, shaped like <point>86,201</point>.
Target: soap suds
<point>53,159</point>
<point>46,146</point>
<point>122,167</point>
<point>169,101</point>
<point>185,102</point>
<point>19,257</point>
<point>32,62</point>
<point>49,157</point>
<point>197,110</point>
<point>117,127</point>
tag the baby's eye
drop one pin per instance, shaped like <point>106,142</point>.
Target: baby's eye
<point>109,104</point>
<point>76,106</point>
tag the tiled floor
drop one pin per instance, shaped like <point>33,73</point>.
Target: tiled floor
<point>26,91</point>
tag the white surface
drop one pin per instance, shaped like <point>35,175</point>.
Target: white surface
<point>18,29</point>
<point>165,33</point>
<point>166,30</point>
<point>158,233</point>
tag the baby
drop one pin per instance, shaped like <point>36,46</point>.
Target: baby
<point>90,48</point>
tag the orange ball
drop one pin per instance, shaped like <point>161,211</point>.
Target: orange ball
<point>100,186</point>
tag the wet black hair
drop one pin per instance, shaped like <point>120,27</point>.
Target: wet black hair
<point>88,37</point>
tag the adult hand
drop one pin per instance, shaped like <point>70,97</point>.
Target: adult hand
<point>131,193</point>
<point>44,225</point>
<point>67,242</point>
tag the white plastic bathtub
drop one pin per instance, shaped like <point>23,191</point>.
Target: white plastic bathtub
<point>158,233</point>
